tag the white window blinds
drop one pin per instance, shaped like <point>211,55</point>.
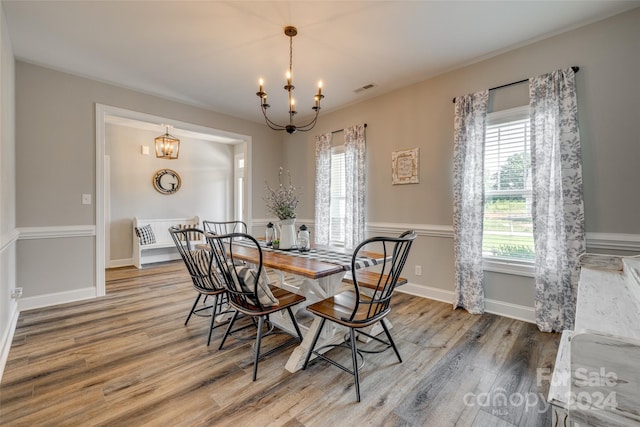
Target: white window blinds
<point>508,227</point>
<point>337,206</point>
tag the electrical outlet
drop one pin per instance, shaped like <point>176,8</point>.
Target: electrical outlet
<point>16,293</point>
<point>418,270</point>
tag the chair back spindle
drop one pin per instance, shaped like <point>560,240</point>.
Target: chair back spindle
<point>223,248</point>
<point>250,292</point>
<point>367,308</point>
<point>225,227</point>
<point>204,277</point>
<point>395,251</point>
<point>197,261</point>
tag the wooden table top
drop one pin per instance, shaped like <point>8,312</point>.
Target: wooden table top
<point>281,260</point>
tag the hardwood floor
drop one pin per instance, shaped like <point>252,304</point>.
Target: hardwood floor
<point>127,359</point>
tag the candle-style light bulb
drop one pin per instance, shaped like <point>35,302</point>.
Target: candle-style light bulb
<point>320,87</point>
<point>289,77</point>
<point>261,82</point>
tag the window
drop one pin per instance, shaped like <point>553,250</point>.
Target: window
<point>508,225</point>
<point>338,200</point>
<point>239,186</point>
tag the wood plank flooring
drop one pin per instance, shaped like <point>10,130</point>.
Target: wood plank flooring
<point>128,359</point>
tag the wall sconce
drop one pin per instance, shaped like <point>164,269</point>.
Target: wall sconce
<point>167,146</point>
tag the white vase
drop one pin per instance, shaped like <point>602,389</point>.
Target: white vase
<point>287,231</point>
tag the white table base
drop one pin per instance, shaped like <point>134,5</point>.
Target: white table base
<point>313,290</point>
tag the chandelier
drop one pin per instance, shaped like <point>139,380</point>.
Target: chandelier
<point>167,146</point>
<point>291,127</point>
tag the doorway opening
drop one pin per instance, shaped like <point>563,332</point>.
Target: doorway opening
<point>208,165</point>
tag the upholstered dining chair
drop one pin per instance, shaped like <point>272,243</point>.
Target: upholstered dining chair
<point>250,292</point>
<point>224,227</point>
<point>198,262</point>
<point>355,310</point>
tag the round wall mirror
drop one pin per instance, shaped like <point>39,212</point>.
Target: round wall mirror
<point>166,181</point>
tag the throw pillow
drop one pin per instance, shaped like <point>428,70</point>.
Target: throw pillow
<point>247,280</point>
<point>193,235</point>
<point>145,234</point>
<point>200,259</point>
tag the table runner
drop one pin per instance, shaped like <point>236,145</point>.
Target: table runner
<point>324,254</point>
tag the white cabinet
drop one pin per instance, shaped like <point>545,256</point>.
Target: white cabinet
<point>596,377</point>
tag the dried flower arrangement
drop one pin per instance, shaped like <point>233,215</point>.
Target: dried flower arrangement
<point>283,200</point>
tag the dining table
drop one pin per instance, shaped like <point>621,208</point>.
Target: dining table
<point>316,274</point>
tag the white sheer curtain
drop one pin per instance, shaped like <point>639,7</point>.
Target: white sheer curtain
<point>323,188</point>
<point>468,199</point>
<point>354,150</point>
<point>558,211</point>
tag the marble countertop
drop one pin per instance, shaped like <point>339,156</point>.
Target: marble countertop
<point>597,372</point>
<point>605,380</point>
<point>604,348</point>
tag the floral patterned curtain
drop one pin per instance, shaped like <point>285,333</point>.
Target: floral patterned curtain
<point>354,151</point>
<point>323,188</point>
<point>468,199</point>
<point>557,209</point>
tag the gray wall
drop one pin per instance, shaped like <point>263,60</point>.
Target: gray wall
<point>608,54</point>
<point>55,151</point>
<point>205,169</point>
<point>8,232</point>
<point>55,164</point>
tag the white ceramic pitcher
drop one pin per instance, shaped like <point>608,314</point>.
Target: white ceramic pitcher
<point>287,232</point>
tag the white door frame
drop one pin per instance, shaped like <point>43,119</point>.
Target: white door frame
<point>102,199</point>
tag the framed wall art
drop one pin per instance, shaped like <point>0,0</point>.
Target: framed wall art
<point>404,166</point>
<point>166,181</point>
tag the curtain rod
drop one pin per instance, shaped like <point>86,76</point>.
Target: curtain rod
<point>575,70</point>
<point>340,130</point>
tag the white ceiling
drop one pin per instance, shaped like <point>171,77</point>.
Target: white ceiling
<point>212,53</point>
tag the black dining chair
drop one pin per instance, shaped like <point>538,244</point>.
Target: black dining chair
<point>355,310</point>
<point>224,227</point>
<point>198,262</point>
<point>250,293</point>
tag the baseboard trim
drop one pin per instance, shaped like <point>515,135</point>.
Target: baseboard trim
<point>152,259</point>
<point>47,300</point>
<point>501,308</point>
<point>115,263</point>
<point>512,311</point>
<point>7,338</point>
<point>429,292</point>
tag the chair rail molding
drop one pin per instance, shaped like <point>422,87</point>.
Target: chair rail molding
<point>595,240</point>
<point>614,241</point>
<point>56,232</point>
<point>8,239</point>
<point>430,230</point>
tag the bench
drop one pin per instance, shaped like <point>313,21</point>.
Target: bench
<point>163,249</point>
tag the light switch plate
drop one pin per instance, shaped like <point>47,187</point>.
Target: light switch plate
<point>86,199</point>
<point>144,149</point>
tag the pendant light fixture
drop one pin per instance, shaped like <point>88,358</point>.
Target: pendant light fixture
<point>290,127</point>
<point>167,146</point>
